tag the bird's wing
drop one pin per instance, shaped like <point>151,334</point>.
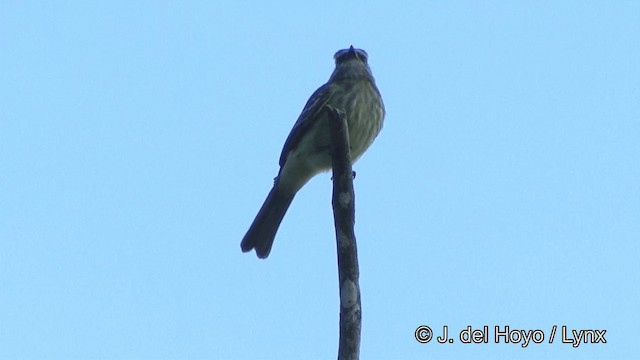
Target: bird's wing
<point>307,118</point>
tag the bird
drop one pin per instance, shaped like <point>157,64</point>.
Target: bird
<point>307,150</point>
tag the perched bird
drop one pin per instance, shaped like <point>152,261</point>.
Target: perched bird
<point>307,150</point>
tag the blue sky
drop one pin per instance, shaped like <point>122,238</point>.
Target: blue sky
<point>139,139</point>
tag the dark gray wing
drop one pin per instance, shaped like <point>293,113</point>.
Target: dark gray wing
<point>307,118</point>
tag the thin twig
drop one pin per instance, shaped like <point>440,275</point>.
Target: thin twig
<point>343,202</point>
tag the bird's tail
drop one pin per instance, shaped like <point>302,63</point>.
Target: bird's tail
<point>263,230</point>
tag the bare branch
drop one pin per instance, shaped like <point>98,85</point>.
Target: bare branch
<point>344,218</point>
